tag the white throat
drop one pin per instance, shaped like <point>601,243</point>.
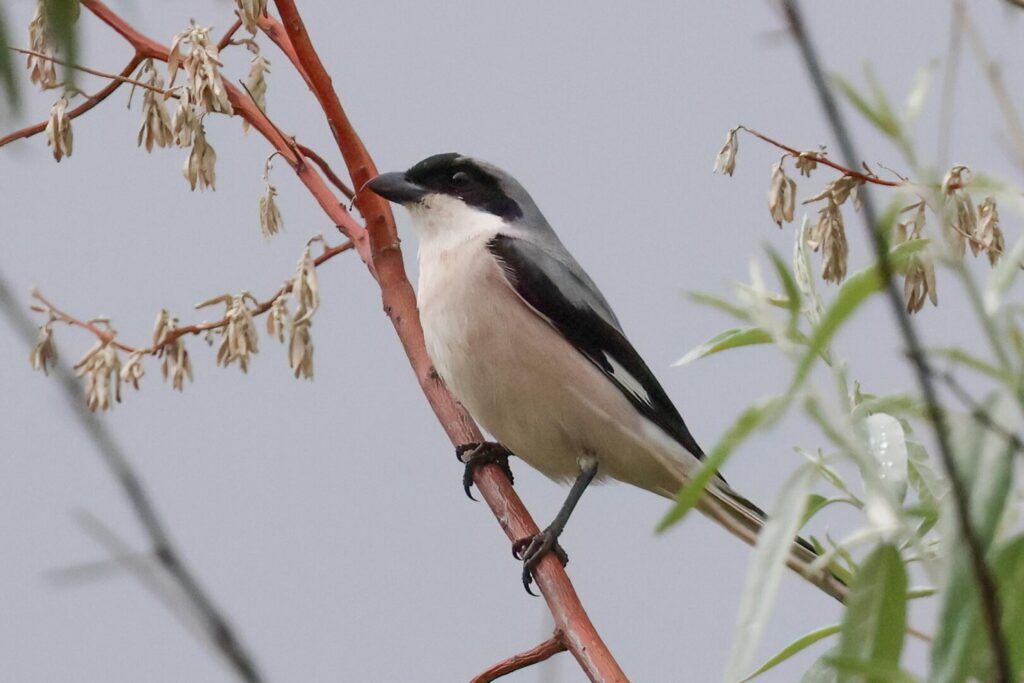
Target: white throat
<point>444,223</point>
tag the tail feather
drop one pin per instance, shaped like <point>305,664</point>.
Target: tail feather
<point>745,520</point>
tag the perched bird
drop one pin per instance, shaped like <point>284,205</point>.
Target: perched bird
<point>525,340</point>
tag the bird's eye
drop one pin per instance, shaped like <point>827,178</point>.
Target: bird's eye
<point>460,179</point>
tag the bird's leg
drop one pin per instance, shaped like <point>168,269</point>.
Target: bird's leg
<point>474,455</point>
<point>531,550</point>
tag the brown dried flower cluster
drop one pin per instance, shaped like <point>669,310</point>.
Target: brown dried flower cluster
<point>170,346</point>
<point>256,81</point>
<point>250,11</point>
<point>238,337</point>
<point>156,121</point>
<point>44,353</point>
<point>963,223</point>
<point>58,129</point>
<point>306,293</point>
<point>781,195</point>
<point>270,216</point>
<point>101,367</point>
<point>41,69</point>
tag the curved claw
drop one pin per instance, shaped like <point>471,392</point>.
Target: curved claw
<point>531,551</point>
<point>479,454</point>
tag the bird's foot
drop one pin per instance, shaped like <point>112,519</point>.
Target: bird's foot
<point>474,455</point>
<point>532,549</point>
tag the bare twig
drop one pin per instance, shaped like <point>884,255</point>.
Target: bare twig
<point>822,159</point>
<point>978,413</point>
<point>90,70</point>
<point>987,590</point>
<point>216,626</point>
<point>327,170</point>
<point>546,650</point>
<point>229,34</point>
<point>91,102</point>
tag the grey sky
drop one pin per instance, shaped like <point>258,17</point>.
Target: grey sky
<point>328,518</point>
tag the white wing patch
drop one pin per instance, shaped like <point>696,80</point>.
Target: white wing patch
<point>627,381</point>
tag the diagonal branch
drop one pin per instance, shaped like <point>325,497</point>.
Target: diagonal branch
<point>216,626</point>
<point>987,591</point>
<point>399,302</point>
<point>546,650</point>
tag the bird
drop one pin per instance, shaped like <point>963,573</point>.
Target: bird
<point>526,342</point>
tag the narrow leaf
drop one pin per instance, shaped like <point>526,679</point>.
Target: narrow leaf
<point>774,544</point>
<point>876,612</point>
<point>889,446</point>
<point>796,647</point>
<point>749,420</point>
<point>730,339</point>
<point>724,305</point>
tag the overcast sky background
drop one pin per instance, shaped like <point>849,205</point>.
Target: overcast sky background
<point>327,517</point>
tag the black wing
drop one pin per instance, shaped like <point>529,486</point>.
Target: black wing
<point>570,302</point>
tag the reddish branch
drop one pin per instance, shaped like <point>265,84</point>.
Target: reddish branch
<point>400,305</point>
<point>546,650</point>
<point>80,109</point>
<point>378,246</point>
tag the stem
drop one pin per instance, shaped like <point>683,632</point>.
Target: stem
<point>987,591</point>
<point>546,650</point>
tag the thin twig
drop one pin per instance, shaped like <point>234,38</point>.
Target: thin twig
<point>108,337</point>
<point>91,102</point>
<point>228,35</point>
<point>328,171</point>
<point>978,413</point>
<point>822,159</point>
<point>91,71</point>
<point>217,627</point>
<point>987,590</point>
<point>546,650</point>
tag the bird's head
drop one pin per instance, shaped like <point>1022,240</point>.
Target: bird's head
<point>449,193</point>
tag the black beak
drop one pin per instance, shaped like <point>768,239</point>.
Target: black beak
<point>394,187</point>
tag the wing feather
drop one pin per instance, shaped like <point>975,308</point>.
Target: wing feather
<point>568,300</point>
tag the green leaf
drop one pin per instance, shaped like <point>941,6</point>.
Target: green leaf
<point>854,292</point>
<point>730,339</point>
<point>786,280</point>
<point>752,418</point>
<point>896,404</point>
<point>774,544</point>
<point>721,304</point>
<point>985,462</point>
<point>969,360</point>
<point>797,646</point>
<point>822,670</point>
<point>961,646</point>
<point>876,672</point>
<point>876,613</point>
<point>916,97</point>
<point>61,16</point>
<point>880,114</point>
<point>816,503</point>
<point>889,446</point>
<point>7,79</point>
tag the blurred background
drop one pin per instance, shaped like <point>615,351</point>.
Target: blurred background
<point>327,518</point>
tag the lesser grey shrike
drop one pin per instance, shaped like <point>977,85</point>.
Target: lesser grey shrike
<point>526,342</point>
